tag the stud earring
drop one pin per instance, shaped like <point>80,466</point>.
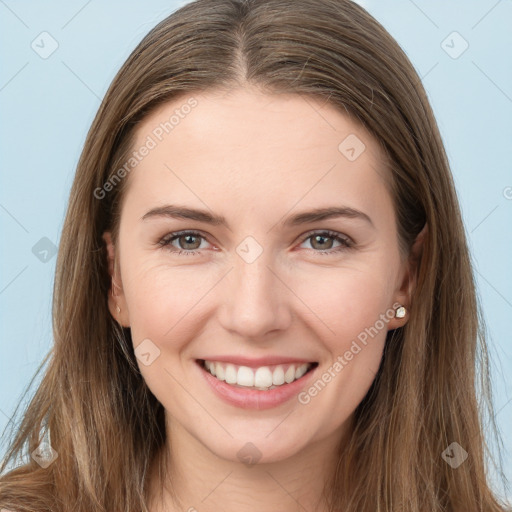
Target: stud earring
<point>400,312</point>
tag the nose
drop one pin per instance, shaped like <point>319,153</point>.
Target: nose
<point>255,301</point>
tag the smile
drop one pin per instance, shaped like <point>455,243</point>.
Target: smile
<point>263,378</point>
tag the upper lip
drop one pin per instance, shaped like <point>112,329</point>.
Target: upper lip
<point>256,362</point>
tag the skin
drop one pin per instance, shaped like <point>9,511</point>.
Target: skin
<point>256,159</point>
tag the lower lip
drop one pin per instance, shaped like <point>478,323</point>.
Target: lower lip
<point>254,398</point>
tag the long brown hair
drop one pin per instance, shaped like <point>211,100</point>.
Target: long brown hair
<point>432,387</point>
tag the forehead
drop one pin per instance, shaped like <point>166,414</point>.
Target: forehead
<point>263,150</point>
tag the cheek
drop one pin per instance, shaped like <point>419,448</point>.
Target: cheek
<point>162,300</point>
<point>353,310</point>
<point>346,301</point>
<point>353,315</point>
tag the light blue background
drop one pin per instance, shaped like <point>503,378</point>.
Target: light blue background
<point>47,106</point>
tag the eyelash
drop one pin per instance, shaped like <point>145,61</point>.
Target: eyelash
<point>346,243</point>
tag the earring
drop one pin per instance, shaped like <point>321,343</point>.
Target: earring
<point>118,309</point>
<point>400,312</point>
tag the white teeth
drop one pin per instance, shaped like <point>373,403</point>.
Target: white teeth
<point>300,371</point>
<point>278,376</point>
<point>231,374</point>
<point>263,378</point>
<point>289,376</point>
<point>245,376</point>
<point>219,371</point>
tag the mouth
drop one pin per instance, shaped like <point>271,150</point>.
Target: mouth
<point>263,378</point>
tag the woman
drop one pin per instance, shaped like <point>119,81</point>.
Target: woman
<point>264,297</point>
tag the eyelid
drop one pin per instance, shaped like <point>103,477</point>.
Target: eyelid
<point>329,232</point>
<point>170,237</point>
<point>346,241</point>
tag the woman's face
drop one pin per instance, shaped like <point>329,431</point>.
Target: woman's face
<point>264,286</point>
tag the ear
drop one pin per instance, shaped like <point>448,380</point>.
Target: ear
<point>116,300</point>
<point>403,295</point>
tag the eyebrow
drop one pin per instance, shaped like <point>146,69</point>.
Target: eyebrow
<point>331,212</point>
